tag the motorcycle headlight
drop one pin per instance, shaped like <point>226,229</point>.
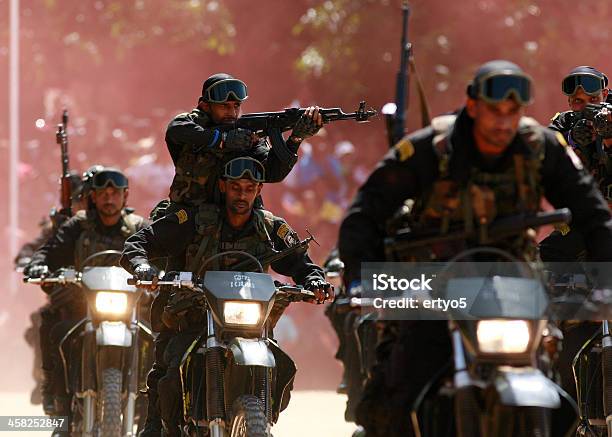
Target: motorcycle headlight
<point>111,303</point>
<point>503,336</point>
<point>241,313</point>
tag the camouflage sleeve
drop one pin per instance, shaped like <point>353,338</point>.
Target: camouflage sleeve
<point>58,251</point>
<point>26,252</point>
<point>167,237</point>
<point>400,175</point>
<point>277,165</point>
<point>568,185</point>
<point>183,130</point>
<point>298,265</point>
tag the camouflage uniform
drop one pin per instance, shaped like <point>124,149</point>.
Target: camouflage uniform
<point>79,237</point>
<point>442,172</point>
<point>194,145</point>
<point>189,237</point>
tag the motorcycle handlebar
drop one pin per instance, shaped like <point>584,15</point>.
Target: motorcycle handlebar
<point>298,293</point>
<point>57,280</point>
<point>175,283</point>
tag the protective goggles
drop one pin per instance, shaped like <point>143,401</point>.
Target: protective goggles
<point>498,87</point>
<point>224,90</point>
<point>105,178</point>
<point>590,83</point>
<point>239,167</point>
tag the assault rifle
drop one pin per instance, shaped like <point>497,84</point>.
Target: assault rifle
<point>406,240</point>
<point>595,113</point>
<point>61,138</point>
<point>302,246</point>
<point>395,113</point>
<point>262,123</point>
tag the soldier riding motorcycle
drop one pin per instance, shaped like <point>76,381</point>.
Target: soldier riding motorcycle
<point>103,226</point>
<point>104,356</point>
<point>188,238</point>
<point>235,379</point>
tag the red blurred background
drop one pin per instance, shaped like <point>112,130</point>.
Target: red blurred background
<point>125,68</point>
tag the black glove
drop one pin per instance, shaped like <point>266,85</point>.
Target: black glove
<point>238,139</point>
<point>305,127</point>
<point>323,290</point>
<point>582,133</point>
<point>145,272</point>
<point>36,271</point>
<point>602,126</point>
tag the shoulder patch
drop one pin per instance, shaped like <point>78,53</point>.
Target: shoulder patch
<point>283,230</point>
<point>404,149</point>
<point>561,139</point>
<point>288,235</point>
<point>182,216</point>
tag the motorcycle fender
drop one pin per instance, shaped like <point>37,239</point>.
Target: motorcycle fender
<point>251,352</point>
<point>113,334</point>
<point>526,387</point>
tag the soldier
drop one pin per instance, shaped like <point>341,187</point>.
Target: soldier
<point>104,226</point>
<point>486,160</point>
<point>189,237</point>
<point>199,150</point>
<point>48,227</point>
<point>583,85</point>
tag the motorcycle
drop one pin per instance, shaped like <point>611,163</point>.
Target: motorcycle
<point>235,379</point>
<point>492,386</point>
<point>586,309</point>
<point>106,355</point>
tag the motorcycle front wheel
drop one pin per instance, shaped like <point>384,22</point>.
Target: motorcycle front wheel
<point>249,418</point>
<point>110,406</point>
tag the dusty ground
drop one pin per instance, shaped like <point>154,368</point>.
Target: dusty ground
<point>311,413</point>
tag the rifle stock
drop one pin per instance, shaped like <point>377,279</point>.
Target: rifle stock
<point>248,263</point>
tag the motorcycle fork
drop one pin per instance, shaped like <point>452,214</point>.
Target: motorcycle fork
<point>467,410</point>
<point>88,381</point>
<point>262,384</point>
<point>606,364</point>
<point>215,393</point>
<point>133,366</point>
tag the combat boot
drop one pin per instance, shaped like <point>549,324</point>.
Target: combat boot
<point>153,424</point>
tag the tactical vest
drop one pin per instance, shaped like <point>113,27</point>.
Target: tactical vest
<point>194,170</point>
<point>207,242</point>
<point>483,195</point>
<point>91,241</point>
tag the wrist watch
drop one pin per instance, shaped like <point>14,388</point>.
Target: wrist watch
<point>296,139</point>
